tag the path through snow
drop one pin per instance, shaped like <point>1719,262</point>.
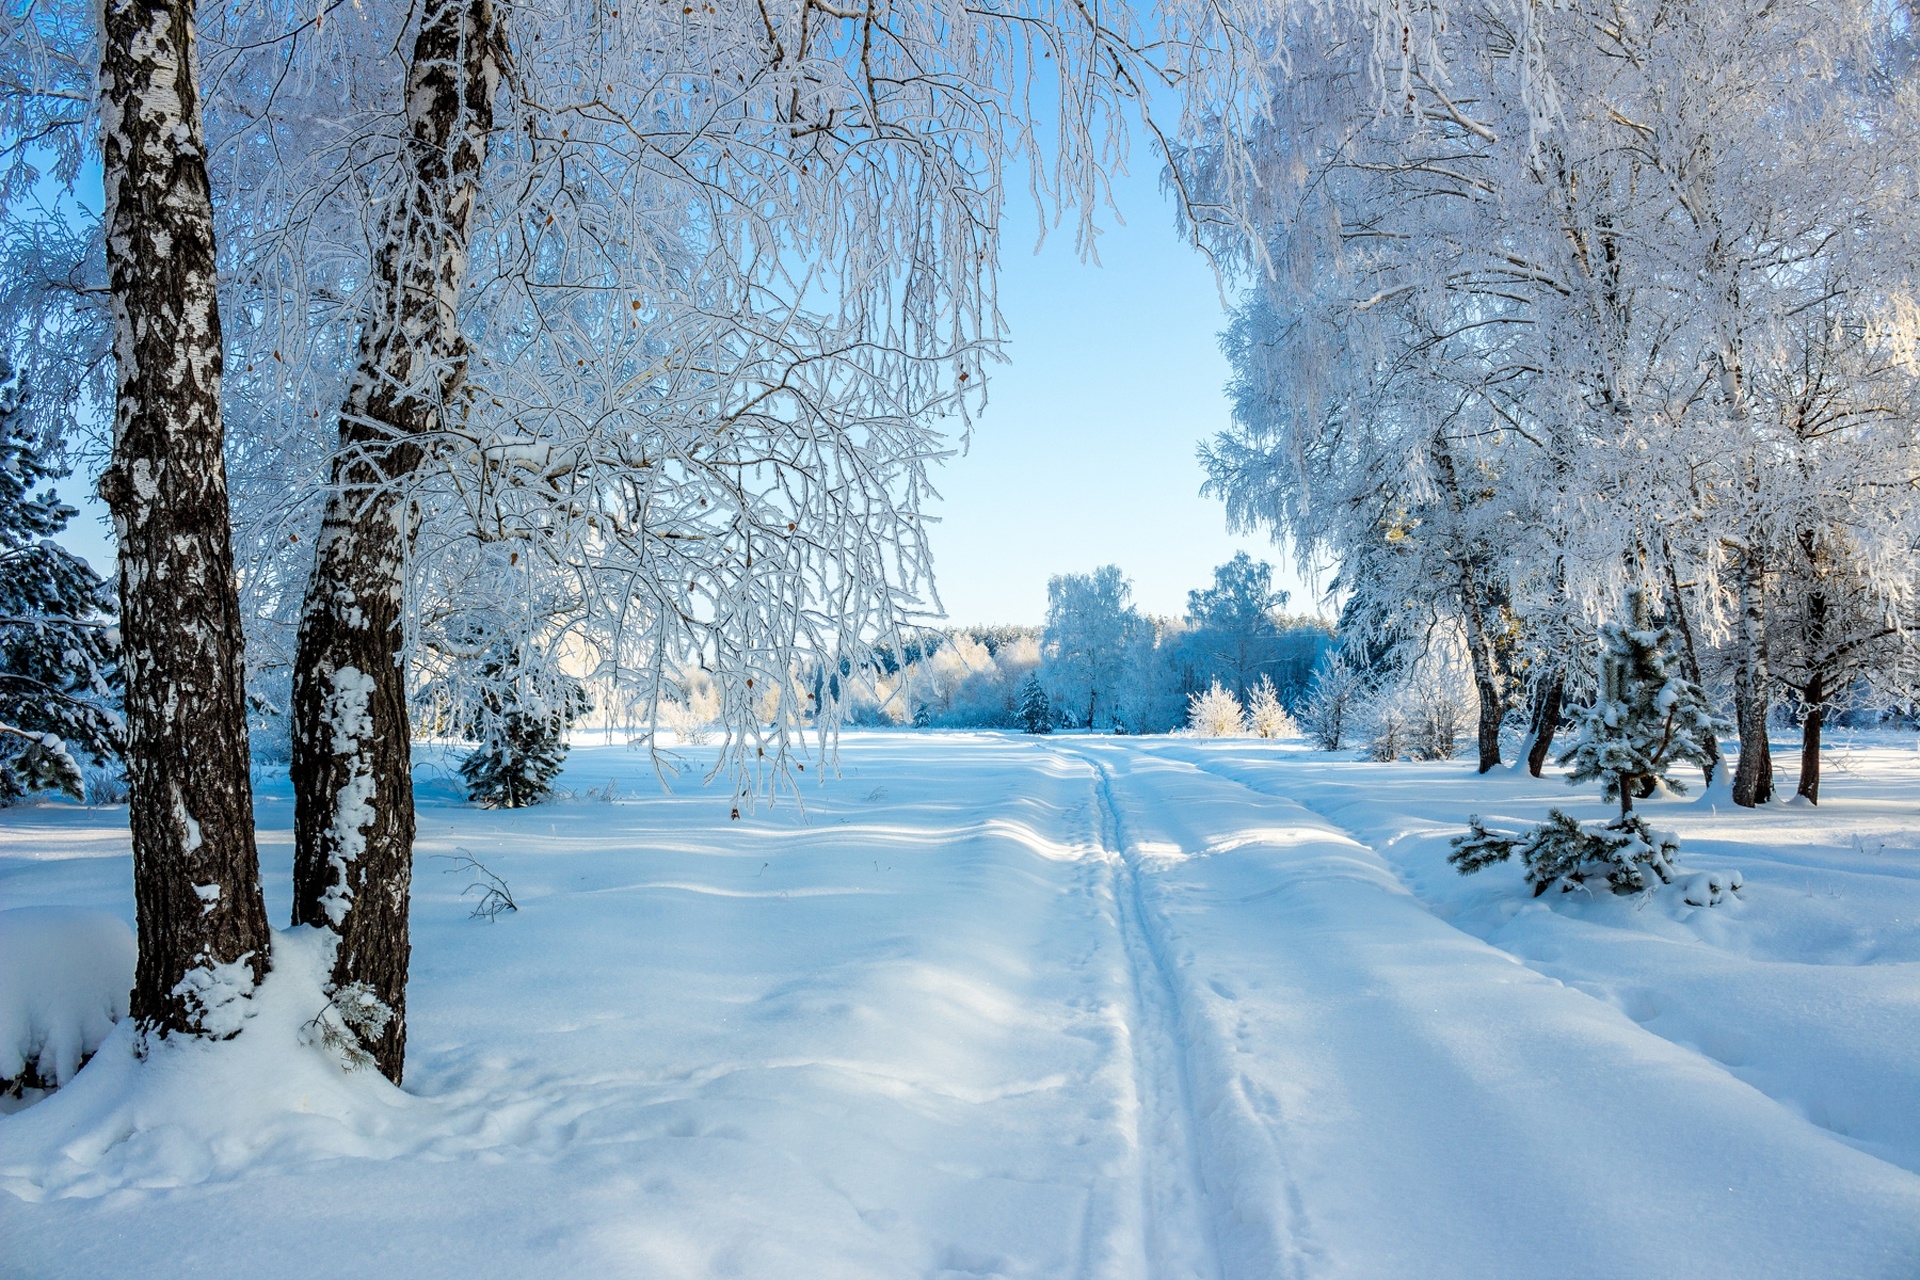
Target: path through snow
<point>992,1006</point>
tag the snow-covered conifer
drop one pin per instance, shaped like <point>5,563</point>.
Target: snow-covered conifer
<point>1036,714</point>
<point>1629,855</point>
<point>522,712</point>
<point>1646,717</point>
<point>58,661</point>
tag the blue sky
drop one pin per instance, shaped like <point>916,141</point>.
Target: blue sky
<point>1085,455</point>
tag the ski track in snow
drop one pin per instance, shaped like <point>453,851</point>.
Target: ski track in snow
<point>1446,1107</point>
<point>1031,1008</point>
<point>1178,1227</point>
<point>1205,1157</point>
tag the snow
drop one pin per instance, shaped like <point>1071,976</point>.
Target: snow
<point>351,723</point>
<point>64,977</point>
<point>218,996</point>
<point>998,1005</point>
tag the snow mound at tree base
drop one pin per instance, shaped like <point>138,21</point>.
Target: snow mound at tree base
<point>64,977</point>
<point>194,1111</point>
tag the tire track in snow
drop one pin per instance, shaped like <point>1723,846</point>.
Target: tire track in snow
<point>1177,1218</point>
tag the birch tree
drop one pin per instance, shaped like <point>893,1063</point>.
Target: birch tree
<point>352,759</point>
<point>202,922</point>
<point>1488,358</point>
<point>688,332</point>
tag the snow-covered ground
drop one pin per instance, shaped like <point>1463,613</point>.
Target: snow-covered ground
<point>996,1005</point>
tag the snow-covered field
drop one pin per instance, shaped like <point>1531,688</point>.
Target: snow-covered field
<point>996,1005</point>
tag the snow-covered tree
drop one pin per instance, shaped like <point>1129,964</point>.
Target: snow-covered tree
<point>1266,717</point>
<point>1499,372</point>
<point>1233,621</point>
<point>1159,674</point>
<point>1846,638</point>
<point>1036,713</point>
<point>1215,713</point>
<point>1647,718</point>
<point>1389,730</point>
<point>1434,725</point>
<point>1629,855</point>
<point>519,718</point>
<point>203,937</point>
<point>1333,704</point>
<point>59,671</point>
<point>1091,626</point>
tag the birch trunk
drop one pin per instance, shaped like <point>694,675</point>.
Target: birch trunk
<point>204,942</point>
<point>1814,696</point>
<point>1753,777</point>
<point>1810,727</point>
<point>1689,655</point>
<point>1486,681</point>
<point>1486,676</point>
<point>352,749</point>
<point>1546,719</point>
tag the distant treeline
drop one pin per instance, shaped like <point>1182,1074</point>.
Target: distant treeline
<point>1101,662</point>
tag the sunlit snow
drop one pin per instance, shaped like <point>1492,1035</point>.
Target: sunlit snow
<point>995,1005</point>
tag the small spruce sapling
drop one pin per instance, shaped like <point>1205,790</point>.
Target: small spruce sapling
<point>59,660</point>
<point>1628,854</point>
<point>523,712</point>
<point>1036,714</point>
<point>1646,719</point>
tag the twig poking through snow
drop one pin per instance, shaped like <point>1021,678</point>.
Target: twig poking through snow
<point>495,897</point>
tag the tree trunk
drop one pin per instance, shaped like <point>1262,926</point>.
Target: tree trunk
<point>1753,777</point>
<point>204,942</point>
<point>1546,719</point>
<point>352,751</point>
<point>1810,726</point>
<point>1486,676</point>
<point>1493,707</point>
<point>1689,656</point>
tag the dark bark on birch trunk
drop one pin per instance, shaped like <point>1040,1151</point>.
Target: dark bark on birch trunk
<point>1689,656</point>
<point>352,748</point>
<point>204,939</point>
<point>1492,712</point>
<point>1814,695</point>
<point>1810,726</point>
<point>1753,777</point>
<point>1486,679</point>
<point>1546,720</point>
